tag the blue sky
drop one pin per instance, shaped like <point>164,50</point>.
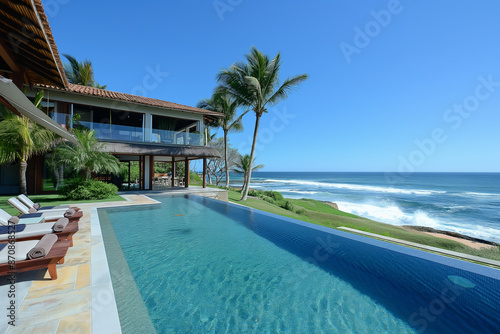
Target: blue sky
<point>408,86</point>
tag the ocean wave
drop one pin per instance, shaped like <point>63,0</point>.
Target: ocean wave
<point>357,187</point>
<point>392,214</point>
<point>476,194</point>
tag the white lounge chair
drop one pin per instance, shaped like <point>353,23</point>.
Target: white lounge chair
<point>4,219</point>
<point>48,214</point>
<point>35,230</point>
<point>30,204</point>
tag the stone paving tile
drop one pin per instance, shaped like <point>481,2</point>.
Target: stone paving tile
<point>64,305</point>
<point>83,278</point>
<point>30,328</point>
<point>77,323</point>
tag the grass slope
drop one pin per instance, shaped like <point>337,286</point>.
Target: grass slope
<point>321,213</point>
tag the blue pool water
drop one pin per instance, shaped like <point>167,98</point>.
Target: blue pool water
<point>204,266</point>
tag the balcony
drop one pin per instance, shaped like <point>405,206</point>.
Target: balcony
<point>137,134</point>
<point>115,132</point>
<point>177,138</point>
<point>128,126</point>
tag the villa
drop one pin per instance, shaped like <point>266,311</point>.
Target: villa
<point>133,128</point>
<point>175,262</point>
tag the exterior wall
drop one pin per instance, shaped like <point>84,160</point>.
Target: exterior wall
<point>148,111</point>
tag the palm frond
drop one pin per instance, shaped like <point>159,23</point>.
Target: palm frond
<point>38,99</point>
<point>288,85</point>
<point>80,73</point>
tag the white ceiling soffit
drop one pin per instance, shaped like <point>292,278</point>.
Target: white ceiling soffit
<point>18,100</point>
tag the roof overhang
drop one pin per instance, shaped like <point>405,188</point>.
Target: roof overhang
<point>178,151</point>
<point>27,46</point>
<point>17,100</point>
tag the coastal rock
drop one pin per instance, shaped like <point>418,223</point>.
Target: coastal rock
<point>452,234</point>
<point>333,205</point>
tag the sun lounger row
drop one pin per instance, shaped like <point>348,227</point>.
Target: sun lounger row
<point>48,212</point>
<point>42,237</point>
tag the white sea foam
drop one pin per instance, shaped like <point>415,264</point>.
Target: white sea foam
<point>392,214</point>
<point>358,187</point>
<point>476,194</point>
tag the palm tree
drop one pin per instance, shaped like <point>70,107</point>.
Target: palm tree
<point>243,167</point>
<point>20,139</point>
<point>80,73</point>
<point>87,157</point>
<point>222,102</point>
<point>256,84</point>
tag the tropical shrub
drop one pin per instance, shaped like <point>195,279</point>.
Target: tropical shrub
<point>255,193</point>
<point>276,195</point>
<point>80,189</point>
<point>288,206</point>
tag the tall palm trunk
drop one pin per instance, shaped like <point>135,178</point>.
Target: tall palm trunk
<point>250,166</point>
<point>23,166</point>
<point>226,153</point>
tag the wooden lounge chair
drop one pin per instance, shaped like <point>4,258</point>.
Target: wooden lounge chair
<point>49,261</point>
<point>36,231</point>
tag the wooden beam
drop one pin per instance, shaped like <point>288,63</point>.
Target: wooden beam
<point>9,106</point>
<point>204,172</point>
<point>186,173</point>
<point>8,58</point>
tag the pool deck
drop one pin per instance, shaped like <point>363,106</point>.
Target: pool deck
<point>81,299</point>
<point>63,305</point>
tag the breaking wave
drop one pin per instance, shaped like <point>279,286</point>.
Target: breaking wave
<point>392,214</point>
<point>357,187</point>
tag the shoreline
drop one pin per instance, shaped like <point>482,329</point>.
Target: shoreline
<point>473,242</point>
<point>431,230</point>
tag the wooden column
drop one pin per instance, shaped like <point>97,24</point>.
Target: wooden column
<point>129,175</point>
<point>151,171</point>
<point>173,172</point>
<point>140,172</point>
<point>204,172</point>
<point>186,173</point>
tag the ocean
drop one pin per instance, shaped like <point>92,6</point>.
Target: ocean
<point>467,203</point>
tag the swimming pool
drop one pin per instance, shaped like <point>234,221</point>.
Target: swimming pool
<point>196,265</point>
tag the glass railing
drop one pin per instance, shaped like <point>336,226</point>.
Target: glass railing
<point>136,134</point>
<point>176,138</point>
<point>115,132</point>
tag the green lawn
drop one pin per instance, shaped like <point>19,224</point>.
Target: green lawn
<point>320,213</point>
<point>49,200</point>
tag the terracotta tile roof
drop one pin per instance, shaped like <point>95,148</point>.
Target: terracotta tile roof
<point>116,96</point>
